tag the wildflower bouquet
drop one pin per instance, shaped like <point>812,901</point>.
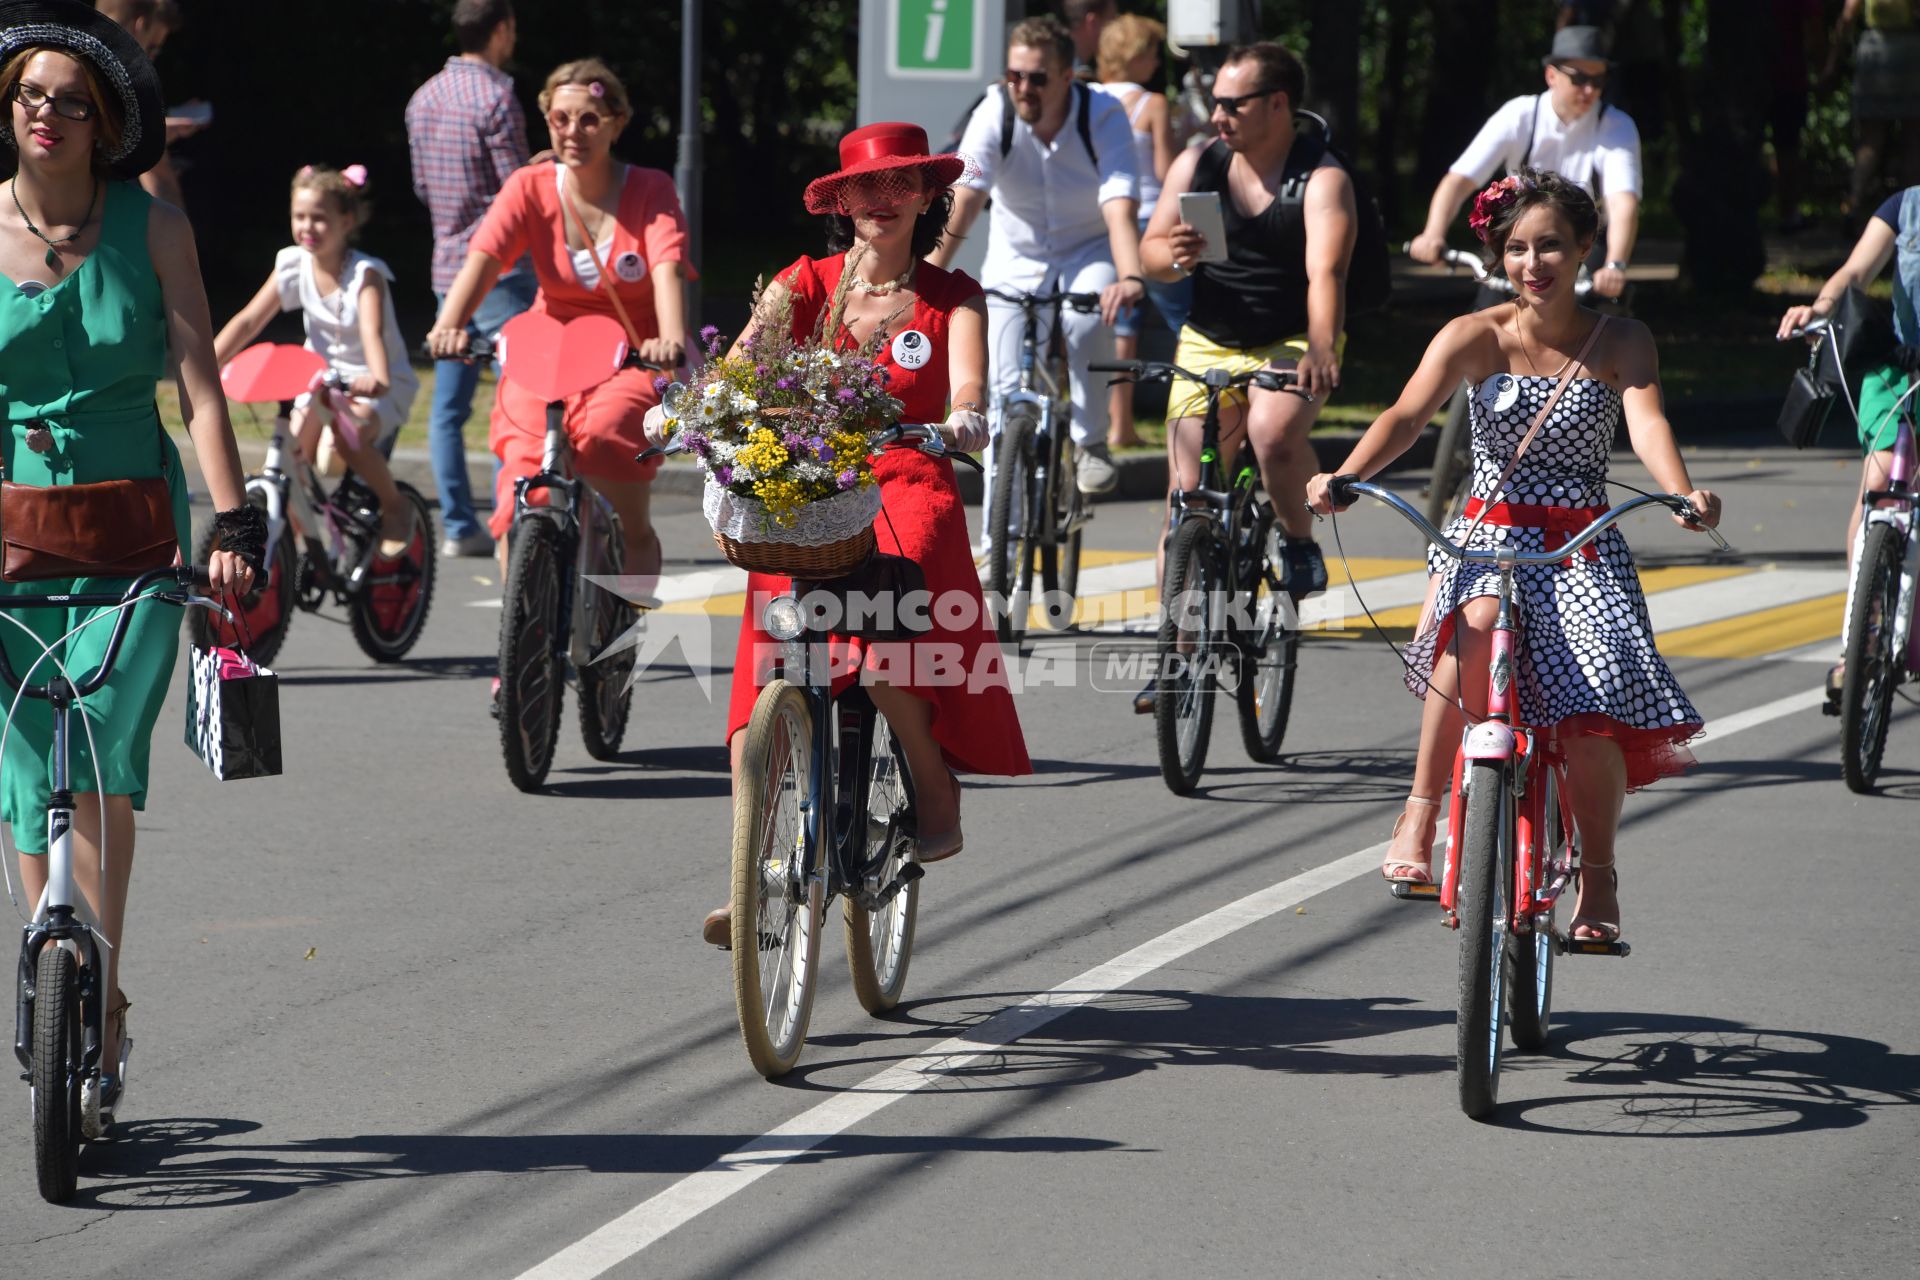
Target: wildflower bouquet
<point>785,430</point>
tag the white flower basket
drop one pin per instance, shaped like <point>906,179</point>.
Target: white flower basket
<point>827,538</point>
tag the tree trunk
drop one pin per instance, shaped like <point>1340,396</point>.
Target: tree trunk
<point>1386,141</point>
<point>1461,68</point>
<point>1723,179</point>
<point>1333,68</point>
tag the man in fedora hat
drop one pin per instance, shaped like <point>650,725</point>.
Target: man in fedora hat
<point>1566,129</point>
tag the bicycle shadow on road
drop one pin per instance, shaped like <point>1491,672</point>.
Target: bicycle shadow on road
<point>407,670</point>
<point>635,774</point>
<point>202,1162</point>
<point>1680,1076</point>
<point>1129,1032</point>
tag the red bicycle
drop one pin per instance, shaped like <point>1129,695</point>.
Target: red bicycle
<point>1513,849</point>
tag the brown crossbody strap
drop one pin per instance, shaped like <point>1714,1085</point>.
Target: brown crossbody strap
<point>606,280</point>
<point>1574,366</point>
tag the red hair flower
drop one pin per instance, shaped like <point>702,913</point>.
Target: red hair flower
<point>1489,203</point>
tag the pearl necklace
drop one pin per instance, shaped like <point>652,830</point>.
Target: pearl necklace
<point>882,290</point>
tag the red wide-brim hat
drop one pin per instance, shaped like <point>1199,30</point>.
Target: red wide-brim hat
<point>890,147</point>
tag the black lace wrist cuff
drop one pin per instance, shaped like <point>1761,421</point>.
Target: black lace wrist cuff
<point>242,530</point>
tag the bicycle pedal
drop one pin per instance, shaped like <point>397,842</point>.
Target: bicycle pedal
<point>1415,892</point>
<point>1591,946</point>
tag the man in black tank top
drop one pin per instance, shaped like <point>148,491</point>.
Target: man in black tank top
<point>1279,298</point>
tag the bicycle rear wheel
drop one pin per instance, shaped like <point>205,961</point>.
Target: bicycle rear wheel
<point>1485,885</point>
<point>1452,460</point>
<point>390,611</point>
<point>531,681</point>
<point>1873,669</point>
<point>1010,560</point>
<point>1060,556</point>
<point>880,943</point>
<point>777,904</point>
<point>1266,671</point>
<point>1183,711</point>
<point>265,613</point>
<point>56,1074</point>
<point>606,678</point>
<point>1529,975</point>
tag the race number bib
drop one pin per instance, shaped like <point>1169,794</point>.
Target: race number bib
<point>912,349</point>
<point>1498,393</point>
<point>630,268</point>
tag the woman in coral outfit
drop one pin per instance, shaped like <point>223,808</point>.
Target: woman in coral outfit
<point>589,221</point>
<point>948,704</point>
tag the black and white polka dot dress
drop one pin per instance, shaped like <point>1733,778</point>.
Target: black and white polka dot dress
<point>1587,661</point>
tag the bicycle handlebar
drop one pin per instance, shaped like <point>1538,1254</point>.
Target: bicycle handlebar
<point>1072,301</point>
<point>1162,371</point>
<point>187,579</point>
<point>1484,276</point>
<point>479,349</point>
<point>1345,488</point>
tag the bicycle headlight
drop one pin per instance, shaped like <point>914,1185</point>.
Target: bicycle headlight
<point>784,619</point>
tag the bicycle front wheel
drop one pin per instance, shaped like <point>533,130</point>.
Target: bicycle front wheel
<point>1183,710</point>
<point>606,678</point>
<point>880,942</point>
<point>531,681</point>
<point>1873,668</point>
<point>1013,522</point>
<point>390,611</point>
<point>1529,974</point>
<point>1486,882</point>
<point>1267,664</point>
<point>1448,482</point>
<point>56,1074</point>
<point>777,902</point>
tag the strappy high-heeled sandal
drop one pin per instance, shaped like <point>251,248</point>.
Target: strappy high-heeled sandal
<point>100,1096</point>
<point>937,848</point>
<point>1602,930</point>
<point>1409,872</point>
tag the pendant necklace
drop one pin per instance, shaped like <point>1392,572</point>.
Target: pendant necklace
<point>53,246</point>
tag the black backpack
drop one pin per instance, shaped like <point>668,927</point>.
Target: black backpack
<point>1370,270</point>
<point>1082,95</point>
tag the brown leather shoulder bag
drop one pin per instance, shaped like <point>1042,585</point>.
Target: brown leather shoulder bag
<point>108,529</point>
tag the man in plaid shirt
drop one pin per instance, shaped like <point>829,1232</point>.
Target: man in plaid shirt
<point>468,135</point>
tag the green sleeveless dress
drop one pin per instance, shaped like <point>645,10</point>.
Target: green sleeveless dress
<point>82,359</point>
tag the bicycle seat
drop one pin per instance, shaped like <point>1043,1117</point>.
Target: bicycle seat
<point>269,372</point>
<point>553,360</point>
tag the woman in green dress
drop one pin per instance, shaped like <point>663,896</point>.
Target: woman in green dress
<point>100,296</point>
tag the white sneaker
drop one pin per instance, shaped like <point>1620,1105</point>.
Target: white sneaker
<point>1093,470</point>
<point>478,544</point>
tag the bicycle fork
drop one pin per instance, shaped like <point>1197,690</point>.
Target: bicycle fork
<point>63,916</point>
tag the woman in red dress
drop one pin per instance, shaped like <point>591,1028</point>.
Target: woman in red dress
<point>949,707</point>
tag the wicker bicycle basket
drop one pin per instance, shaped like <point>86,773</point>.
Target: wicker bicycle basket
<point>788,559</point>
<point>831,537</point>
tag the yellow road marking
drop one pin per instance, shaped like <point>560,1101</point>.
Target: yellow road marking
<point>1751,635</point>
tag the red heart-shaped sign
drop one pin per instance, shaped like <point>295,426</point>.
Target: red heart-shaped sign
<point>553,360</point>
<point>270,371</point>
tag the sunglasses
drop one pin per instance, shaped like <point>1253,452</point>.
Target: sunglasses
<point>1038,79</point>
<point>1232,105</point>
<point>586,121</point>
<point>32,98</point>
<point>1581,79</point>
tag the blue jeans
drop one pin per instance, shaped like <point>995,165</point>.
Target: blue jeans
<point>453,384</point>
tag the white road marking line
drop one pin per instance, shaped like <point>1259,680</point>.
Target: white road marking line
<point>651,1219</point>
<point>1705,602</point>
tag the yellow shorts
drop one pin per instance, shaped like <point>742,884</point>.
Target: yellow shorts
<point>1199,353</point>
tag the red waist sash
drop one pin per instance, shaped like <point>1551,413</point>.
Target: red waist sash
<point>1557,524</point>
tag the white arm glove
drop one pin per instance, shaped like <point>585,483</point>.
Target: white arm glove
<point>965,431</point>
<point>655,426</point>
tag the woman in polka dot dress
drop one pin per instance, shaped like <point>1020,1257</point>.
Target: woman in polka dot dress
<point>1587,664</point>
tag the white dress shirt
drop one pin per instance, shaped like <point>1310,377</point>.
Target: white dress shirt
<point>1600,150</point>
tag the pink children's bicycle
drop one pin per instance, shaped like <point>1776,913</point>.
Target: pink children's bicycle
<point>320,545</point>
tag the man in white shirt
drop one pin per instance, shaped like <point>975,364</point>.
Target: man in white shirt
<point>1064,203</point>
<point>1567,130</point>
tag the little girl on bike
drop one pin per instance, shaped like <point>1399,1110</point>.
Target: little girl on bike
<point>344,298</point>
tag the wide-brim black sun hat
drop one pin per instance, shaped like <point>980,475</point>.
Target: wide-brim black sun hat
<point>81,30</point>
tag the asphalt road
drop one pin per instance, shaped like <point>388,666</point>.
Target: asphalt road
<point>395,1018</point>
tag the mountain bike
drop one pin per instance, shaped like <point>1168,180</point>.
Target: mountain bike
<point>1450,482</point>
<point>1879,644</point>
<point>1512,849</point>
<point>564,541</point>
<point>61,993</point>
<point>1222,611</point>
<point>823,808</point>
<point>1036,512</point>
<point>320,546</point>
